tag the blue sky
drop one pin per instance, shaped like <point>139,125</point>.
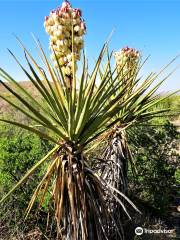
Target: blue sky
<point>150,26</point>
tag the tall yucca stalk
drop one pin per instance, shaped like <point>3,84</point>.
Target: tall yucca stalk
<point>143,97</point>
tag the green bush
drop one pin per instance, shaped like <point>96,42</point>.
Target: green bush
<point>156,161</point>
<point>19,152</point>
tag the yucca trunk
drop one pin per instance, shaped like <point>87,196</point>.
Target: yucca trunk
<point>79,199</point>
<point>117,153</point>
<point>115,173</point>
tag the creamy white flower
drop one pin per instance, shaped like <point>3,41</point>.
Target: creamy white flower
<point>61,61</point>
<point>53,16</point>
<point>58,42</point>
<point>73,14</point>
<point>74,22</point>
<point>50,21</point>
<point>65,59</point>
<point>63,21</point>
<point>54,47</point>
<point>56,20</point>
<point>69,57</point>
<point>77,40</point>
<point>63,49</point>
<point>58,33</point>
<point>69,64</point>
<point>67,71</point>
<point>60,27</point>
<point>67,34</point>
<point>66,43</point>
<point>55,28</point>
<point>76,28</point>
<point>61,42</point>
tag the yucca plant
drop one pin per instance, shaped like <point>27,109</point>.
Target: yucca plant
<point>143,99</point>
<point>127,62</point>
<point>72,118</point>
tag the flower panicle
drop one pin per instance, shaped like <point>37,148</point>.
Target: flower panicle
<point>127,57</point>
<point>59,25</point>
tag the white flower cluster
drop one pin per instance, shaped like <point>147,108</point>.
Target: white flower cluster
<point>127,58</point>
<point>59,25</point>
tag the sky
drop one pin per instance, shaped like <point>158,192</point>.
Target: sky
<point>153,27</point>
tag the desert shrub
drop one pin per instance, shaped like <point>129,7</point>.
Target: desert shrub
<point>19,152</point>
<point>156,160</point>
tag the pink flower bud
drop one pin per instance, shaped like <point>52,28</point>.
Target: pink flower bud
<point>83,25</point>
<point>78,12</point>
<point>126,49</point>
<point>65,10</point>
<point>46,18</point>
<point>66,4</point>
